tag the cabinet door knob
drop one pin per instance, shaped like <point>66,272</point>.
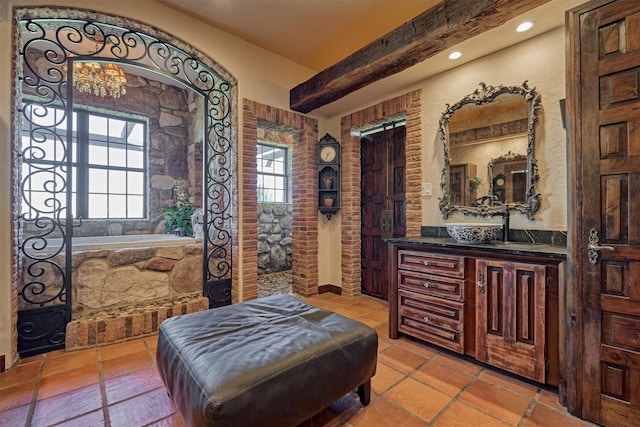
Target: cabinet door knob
<point>481,282</point>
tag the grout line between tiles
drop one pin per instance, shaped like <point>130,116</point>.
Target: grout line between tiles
<point>103,391</point>
<point>529,410</point>
<point>34,396</point>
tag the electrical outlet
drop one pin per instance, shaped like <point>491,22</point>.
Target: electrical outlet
<point>426,189</point>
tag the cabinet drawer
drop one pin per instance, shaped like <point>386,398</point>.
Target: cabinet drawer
<point>426,262</point>
<point>439,286</point>
<point>432,319</point>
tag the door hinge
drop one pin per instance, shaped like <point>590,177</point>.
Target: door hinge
<point>546,365</point>
<point>548,281</point>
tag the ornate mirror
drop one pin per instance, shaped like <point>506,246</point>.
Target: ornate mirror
<point>489,164</point>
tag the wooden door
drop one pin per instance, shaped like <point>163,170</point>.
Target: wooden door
<point>382,200</point>
<point>604,188</point>
<point>510,316</point>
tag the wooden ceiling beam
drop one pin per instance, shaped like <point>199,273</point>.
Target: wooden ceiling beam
<point>437,29</point>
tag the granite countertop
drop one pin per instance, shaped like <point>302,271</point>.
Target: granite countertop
<point>521,248</point>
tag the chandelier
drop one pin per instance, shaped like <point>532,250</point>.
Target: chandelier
<point>93,78</point>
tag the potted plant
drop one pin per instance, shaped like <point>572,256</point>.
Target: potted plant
<point>474,183</point>
<point>178,217</point>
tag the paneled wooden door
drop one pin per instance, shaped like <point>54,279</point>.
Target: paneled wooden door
<point>605,205</point>
<point>382,205</point>
<point>510,316</point>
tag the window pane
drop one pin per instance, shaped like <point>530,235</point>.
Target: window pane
<point>135,159</point>
<point>98,206</point>
<point>98,125</point>
<point>135,183</point>
<point>117,155</point>
<point>278,167</point>
<point>117,206</point>
<point>135,207</point>
<point>117,129</point>
<point>98,155</point>
<point>98,181</point>
<point>136,134</point>
<point>117,182</point>
<point>269,181</point>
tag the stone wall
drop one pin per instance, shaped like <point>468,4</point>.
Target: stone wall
<point>105,281</point>
<point>274,237</point>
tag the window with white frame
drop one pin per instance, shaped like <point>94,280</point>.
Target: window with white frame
<point>108,164</point>
<point>273,173</point>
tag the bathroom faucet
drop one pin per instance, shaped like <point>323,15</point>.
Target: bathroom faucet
<point>505,225</point>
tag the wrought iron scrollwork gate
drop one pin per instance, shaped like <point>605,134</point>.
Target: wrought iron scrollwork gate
<point>48,49</point>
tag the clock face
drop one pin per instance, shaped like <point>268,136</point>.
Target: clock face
<point>500,181</point>
<point>328,154</point>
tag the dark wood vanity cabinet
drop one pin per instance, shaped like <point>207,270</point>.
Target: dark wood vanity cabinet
<point>499,308</point>
<point>516,317</point>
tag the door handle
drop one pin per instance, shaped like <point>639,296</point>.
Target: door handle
<point>387,224</point>
<point>481,282</point>
<point>594,247</point>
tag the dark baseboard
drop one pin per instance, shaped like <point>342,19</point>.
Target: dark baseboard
<point>330,288</point>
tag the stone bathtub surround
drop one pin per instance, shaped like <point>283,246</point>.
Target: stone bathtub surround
<point>119,294</point>
<point>108,279</point>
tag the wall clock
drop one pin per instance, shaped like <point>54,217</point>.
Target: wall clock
<point>328,175</point>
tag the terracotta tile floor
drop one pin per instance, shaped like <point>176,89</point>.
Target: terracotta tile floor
<point>415,385</point>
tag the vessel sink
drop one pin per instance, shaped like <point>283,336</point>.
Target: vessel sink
<point>473,232</point>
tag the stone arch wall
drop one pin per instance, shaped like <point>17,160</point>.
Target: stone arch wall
<point>123,22</point>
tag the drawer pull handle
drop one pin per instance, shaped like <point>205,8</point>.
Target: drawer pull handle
<point>429,319</point>
<point>481,283</point>
<point>429,263</point>
<point>430,285</point>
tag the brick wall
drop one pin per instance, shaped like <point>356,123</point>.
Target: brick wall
<point>305,214</point>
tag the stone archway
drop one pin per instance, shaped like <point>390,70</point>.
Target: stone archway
<point>70,36</point>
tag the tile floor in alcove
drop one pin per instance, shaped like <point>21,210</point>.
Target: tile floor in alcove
<point>415,385</point>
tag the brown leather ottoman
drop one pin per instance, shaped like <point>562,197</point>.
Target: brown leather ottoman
<point>274,361</point>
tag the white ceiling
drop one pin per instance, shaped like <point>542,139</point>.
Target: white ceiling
<point>320,33</point>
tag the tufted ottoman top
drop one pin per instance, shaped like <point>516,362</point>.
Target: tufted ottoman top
<point>271,361</point>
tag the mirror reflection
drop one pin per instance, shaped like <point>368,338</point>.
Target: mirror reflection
<point>488,138</point>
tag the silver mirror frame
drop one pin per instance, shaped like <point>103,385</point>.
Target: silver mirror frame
<point>485,95</point>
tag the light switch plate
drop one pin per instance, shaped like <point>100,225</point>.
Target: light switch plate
<point>426,189</point>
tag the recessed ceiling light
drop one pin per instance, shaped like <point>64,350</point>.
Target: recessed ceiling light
<point>525,26</point>
<point>455,55</point>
